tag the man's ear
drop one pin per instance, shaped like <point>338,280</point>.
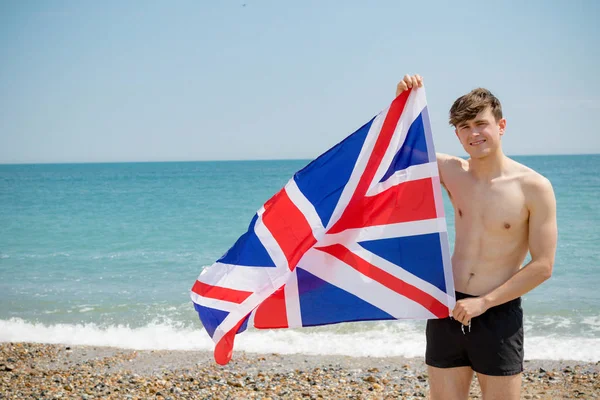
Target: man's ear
<point>502,126</point>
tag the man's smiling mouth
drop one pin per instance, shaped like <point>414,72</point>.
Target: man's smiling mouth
<point>477,142</point>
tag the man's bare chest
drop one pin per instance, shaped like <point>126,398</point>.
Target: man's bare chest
<point>497,207</point>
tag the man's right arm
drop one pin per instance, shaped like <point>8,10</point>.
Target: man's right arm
<point>449,168</point>
<point>444,162</point>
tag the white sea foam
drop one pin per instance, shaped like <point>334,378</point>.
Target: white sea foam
<point>152,336</point>
<point>45,255</point>
<point>376,340</point>
<point>593,323</point>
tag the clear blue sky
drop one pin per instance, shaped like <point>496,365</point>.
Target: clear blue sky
<point>84,81</point>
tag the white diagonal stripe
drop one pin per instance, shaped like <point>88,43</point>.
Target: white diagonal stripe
<point>335,272</point>
<point>399,272</point>
<point>236,277</point>
<point>237,314</point>
<point>270,244</point>
<point>213,303</point>
<point>305,207</point>
<point>248,305</point>
<point>412,173</point>
<point>400,229</point>
<point>359,167</point>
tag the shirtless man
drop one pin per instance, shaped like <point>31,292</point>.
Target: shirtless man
<point>502,210</point>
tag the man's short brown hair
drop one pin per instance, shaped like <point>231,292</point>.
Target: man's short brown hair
<point>467,107</point>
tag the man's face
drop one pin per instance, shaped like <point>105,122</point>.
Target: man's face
<point>480,136</point>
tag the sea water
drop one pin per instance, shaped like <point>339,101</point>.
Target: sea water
<point>105,254</point>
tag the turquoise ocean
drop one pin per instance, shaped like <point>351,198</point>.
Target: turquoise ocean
<point>105,254</point>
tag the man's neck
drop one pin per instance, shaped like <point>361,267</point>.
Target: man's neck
<point>489,167</point>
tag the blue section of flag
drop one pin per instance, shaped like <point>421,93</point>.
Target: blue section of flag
<point>244,324</point>
<point>248,250</point>
<point>210,317</point>
<point>323,303</point>
<point>420,255</point>
<point>323,180</point>
<point>413,151</point>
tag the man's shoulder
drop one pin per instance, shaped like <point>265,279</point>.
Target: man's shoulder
<point>534,184</point>
<point>447,160</point>
<point>529,176</point>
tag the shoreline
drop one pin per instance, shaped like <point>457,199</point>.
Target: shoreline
<point>60,371</point>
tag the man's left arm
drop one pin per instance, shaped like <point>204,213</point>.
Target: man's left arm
<point>543,235</point>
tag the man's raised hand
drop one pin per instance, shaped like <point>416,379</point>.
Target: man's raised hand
<point>408,82</point>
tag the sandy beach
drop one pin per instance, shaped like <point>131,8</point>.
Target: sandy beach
<point>57,371</point>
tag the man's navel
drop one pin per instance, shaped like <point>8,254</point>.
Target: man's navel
<point>471,275</point>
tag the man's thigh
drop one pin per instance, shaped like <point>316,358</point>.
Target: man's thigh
<point>500,387</point>
<point>449,383</point>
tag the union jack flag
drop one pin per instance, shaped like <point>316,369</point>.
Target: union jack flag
<point>358,234</point>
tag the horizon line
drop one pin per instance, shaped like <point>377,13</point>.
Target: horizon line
<point>238,160</point>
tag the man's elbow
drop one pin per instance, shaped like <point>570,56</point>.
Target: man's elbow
<point>546,268</point>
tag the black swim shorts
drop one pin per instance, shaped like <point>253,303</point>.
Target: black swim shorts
<point>492,346</point>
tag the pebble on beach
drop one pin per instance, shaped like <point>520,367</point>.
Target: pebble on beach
<point>63,372</point>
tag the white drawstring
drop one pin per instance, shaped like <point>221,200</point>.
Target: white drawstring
<point>462,328</point>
